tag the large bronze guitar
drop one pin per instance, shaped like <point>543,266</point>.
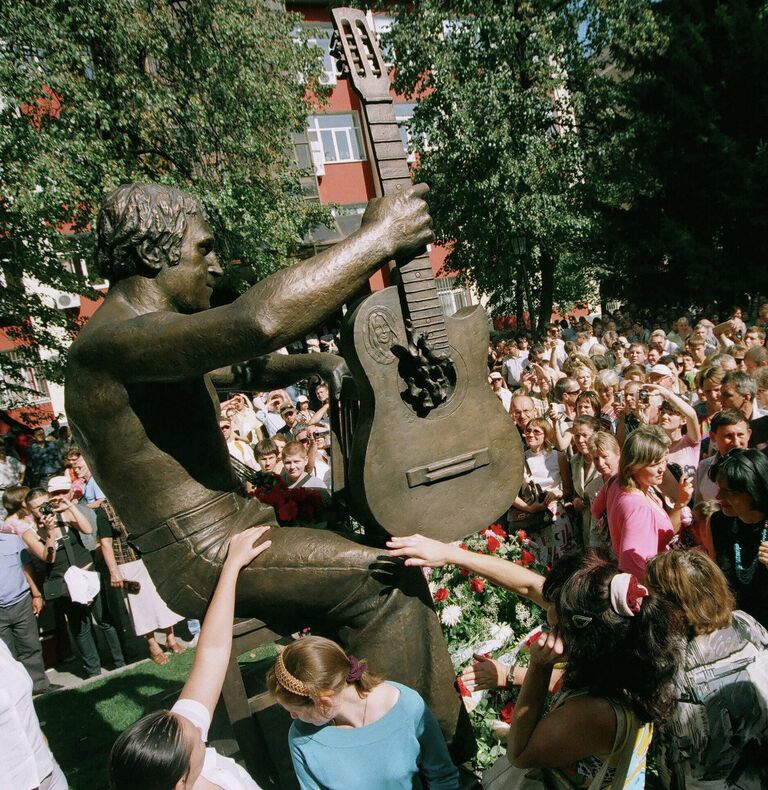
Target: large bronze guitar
<point>433,450</point>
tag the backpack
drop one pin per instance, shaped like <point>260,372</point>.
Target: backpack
<point>719,727</point>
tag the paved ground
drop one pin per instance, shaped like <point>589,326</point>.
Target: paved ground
<point>66,674</point>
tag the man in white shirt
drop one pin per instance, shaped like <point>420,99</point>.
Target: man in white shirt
<point>26,760</point>
<point>514,366</point>
<point>238,448</point>
<point>497,385</point>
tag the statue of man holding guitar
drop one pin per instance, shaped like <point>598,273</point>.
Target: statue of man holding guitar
<point>141,404</point>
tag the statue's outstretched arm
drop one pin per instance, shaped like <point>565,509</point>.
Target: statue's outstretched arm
<point>169,346</point>
<point>275,371</point>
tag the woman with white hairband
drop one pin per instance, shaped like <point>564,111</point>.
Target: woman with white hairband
<point>351,728</point>
<point>622,648</point>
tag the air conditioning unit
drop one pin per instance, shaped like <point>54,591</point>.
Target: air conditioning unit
<point>66,301</point>
<point>316,153</point>
<point>328,78</point>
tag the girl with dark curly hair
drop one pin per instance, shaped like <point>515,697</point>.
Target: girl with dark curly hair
<point>623,648</point>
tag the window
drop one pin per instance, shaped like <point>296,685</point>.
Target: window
<point>403,114</point>
<point>452,294</point>
<point>28,389</point>
<point>339,137</point>
<point>382,23</point>
<point>320,37</point>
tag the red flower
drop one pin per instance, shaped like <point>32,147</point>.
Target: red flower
<point>492,544</point>
<point>499,530</point>
<point>288,511</point>
<point>508,713</point>
<point>463,690</point>
<point>464,572</point>
<point>441,594</point>
<point>477,585</point>
<point>522,535</point>
<point>464,546</point>
<point>526,558</point>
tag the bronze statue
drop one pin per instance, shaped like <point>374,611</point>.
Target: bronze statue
<point>141,405</point>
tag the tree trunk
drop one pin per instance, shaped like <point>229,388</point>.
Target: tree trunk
<point>519,322</point>
<point>529,299</point>
<point>547,292</point>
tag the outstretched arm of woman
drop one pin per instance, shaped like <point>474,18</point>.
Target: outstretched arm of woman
<point>215,644</point>
<point>422,551</point>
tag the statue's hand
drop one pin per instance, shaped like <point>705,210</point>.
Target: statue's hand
<point>333,370</point>
<point>405,219</point>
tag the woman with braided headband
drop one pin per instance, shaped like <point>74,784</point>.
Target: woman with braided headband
<point>351,728</point>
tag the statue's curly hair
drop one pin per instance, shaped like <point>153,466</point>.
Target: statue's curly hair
<point>141,222</point>
<point>633,660</point>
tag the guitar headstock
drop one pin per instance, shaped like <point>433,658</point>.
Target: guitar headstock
<point>357,50</point>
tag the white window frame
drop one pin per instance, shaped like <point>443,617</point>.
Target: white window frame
<point>452,294</point>
<point>403,114</point>
<point>351,132</point>
<point>31,389</point>
<point>321,38</point>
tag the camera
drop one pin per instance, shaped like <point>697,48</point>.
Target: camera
<point>739,334</point>
<point>47,509</point>
<point>643,396</point>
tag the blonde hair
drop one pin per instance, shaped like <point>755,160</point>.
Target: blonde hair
<point>294,448</point>
<point>605,379</point>
<point>761,378</point>
<point>576,361</point>
<point>645,446</point>
<point>314,667</point>
<point>602,442</point>
<point>694,583</point>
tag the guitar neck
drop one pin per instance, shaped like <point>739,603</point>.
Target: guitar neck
<point>418,292</point>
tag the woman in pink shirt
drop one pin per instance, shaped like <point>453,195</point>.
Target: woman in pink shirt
<point>639,526</point>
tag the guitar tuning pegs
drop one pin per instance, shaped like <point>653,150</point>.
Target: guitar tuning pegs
<point>336,51</point>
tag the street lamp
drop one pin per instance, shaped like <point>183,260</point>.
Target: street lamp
<point>519,246</point>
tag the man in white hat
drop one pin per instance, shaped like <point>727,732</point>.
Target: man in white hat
<point>496,380</point>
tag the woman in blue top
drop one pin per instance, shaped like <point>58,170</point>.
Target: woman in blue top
<point>351,729</point>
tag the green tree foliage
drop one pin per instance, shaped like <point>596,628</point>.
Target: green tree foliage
<point>200,94</point>
<point>684,215</point>
<point>502,86</point>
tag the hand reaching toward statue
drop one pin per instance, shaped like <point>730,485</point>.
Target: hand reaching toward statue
<point>421,551</point>
<point>406,214</point>
<point>243,548</point>
<point>762,553</point>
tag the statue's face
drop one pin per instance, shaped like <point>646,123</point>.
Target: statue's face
<point>189,284</point>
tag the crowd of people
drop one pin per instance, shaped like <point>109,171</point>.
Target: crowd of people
<point>645,492</point>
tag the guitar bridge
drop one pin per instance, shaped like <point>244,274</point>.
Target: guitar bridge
<point>447,468</point>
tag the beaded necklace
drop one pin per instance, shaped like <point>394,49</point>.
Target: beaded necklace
<point>745,575</point>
